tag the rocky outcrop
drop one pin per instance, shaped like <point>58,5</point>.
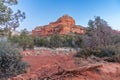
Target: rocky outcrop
<point>64,25</point>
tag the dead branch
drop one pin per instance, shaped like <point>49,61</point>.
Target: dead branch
<point>65,72</point>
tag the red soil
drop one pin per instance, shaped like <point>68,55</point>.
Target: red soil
<point>49,62</point>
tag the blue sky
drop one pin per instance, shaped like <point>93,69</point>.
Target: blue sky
<point>41,12</point>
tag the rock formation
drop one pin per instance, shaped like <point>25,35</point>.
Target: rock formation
<point>63,26</point>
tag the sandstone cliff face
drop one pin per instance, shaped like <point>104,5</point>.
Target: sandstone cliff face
<point>63,26</point>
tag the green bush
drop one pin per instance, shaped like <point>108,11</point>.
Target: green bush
<point>59,41</point>
<point>86,52</point>
<point>116,57</point>
<point>41,41</point>
<point>107,52</point>
<point>11,63</point>
<point>112,53</point>
<point>23,41</point>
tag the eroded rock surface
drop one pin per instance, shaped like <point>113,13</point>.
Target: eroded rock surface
<point>64,25</point>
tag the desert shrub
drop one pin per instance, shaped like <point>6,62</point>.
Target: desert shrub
<point>11,63</point>
<point>112,53</point>
<point>86,52</point>
<point>41,41</point>
<point>98,52</point>
<point>24,41</point>
<point>56,40</point>
<point>108,51</point>
<point>116,57</point>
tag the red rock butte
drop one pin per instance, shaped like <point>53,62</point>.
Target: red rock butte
<point>63,26</point>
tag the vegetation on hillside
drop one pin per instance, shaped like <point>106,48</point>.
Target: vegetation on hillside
<point>56,41</point>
